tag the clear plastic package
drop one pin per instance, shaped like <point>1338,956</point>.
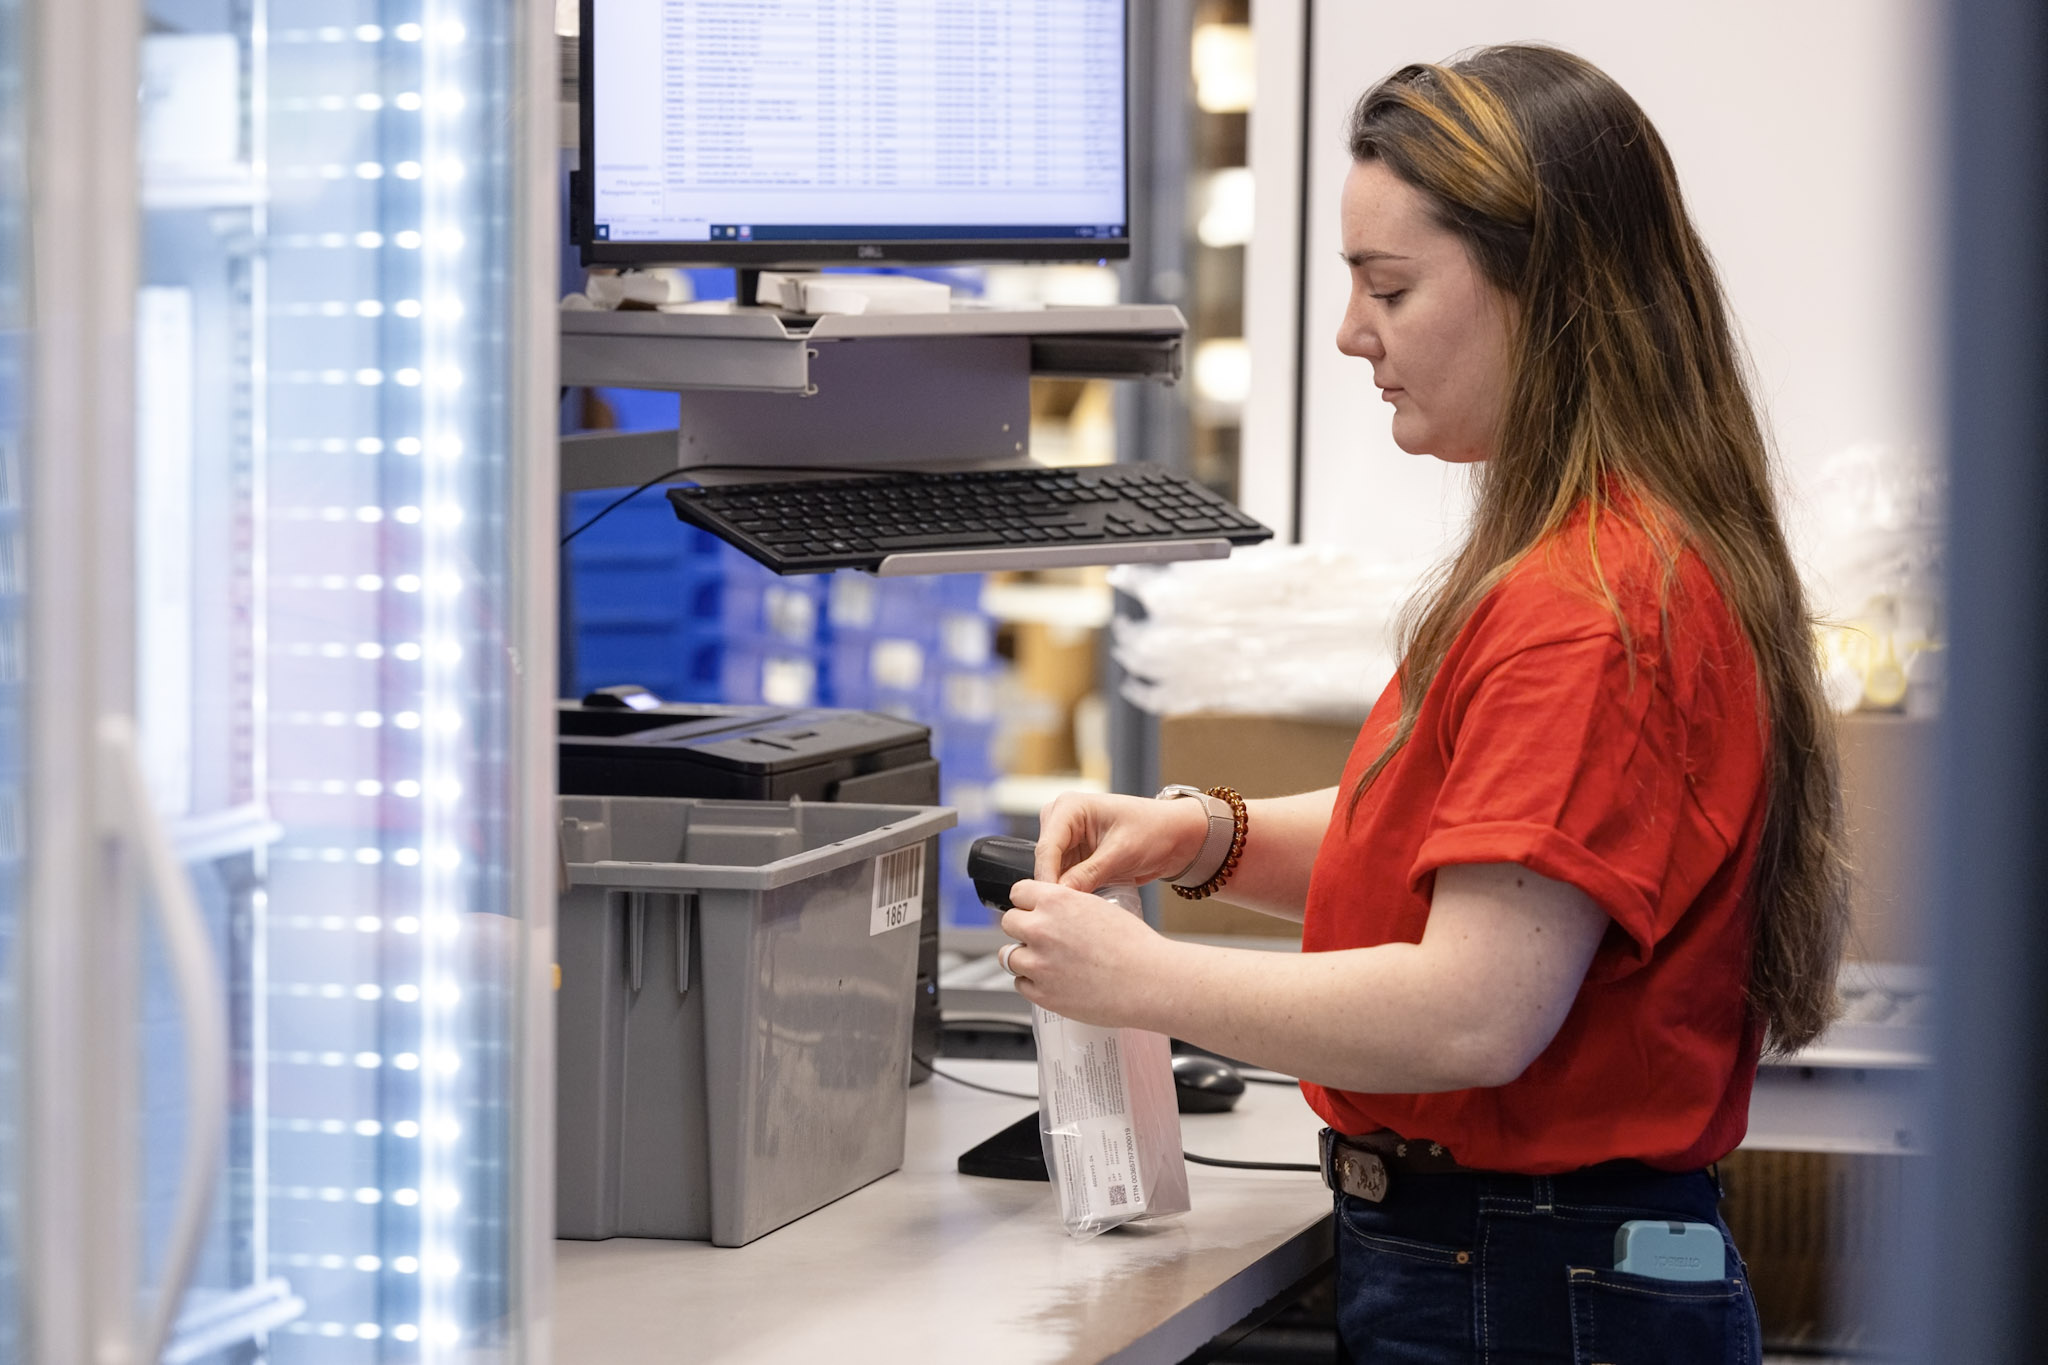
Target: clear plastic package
<point>1108,1119</point>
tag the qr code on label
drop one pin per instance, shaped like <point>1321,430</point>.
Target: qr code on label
<point>1118,1195</point>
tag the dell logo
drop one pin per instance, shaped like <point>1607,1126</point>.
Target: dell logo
<point>869,253</point>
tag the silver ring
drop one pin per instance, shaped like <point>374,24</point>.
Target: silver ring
<point>1003,957</point>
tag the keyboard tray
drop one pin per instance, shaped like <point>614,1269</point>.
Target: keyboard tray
<point>984,519</point>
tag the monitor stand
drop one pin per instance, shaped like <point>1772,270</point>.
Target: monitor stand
<point>925,403</point>
<point>746,287</point>
<point>746,299</point>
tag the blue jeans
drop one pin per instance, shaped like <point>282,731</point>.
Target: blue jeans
<point>1507,1269</point>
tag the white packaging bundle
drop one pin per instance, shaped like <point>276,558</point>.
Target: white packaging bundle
<point>1108,1121</point>
<point>853,293</point>
<point>1878,528</point>
<point>1295,630</point>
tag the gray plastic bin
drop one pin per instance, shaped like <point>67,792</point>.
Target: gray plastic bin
<point>733,1024</point>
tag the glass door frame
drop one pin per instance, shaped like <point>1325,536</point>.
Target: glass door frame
<point>80,940</point>
<point>80,934</point>
<point>534,514</point>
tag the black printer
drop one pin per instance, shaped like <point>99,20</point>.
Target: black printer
<point>624,741</point>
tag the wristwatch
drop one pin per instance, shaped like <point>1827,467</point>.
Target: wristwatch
<point>1215,845</point>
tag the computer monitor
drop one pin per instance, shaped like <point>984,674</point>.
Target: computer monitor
<point>762,134</point>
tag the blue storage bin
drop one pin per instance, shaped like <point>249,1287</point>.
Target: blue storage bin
<point>672,663</point>
<point>967,696</point>
<point>959,591</point>
<point>958,903</point>
<point>785,609</point>
<point>966,638</point>
<point>910,708</point>
<point>966,753</point>
<point>738,564</point>
<point>899,606</point>
<point>767,672</point>
<point>834,690</point>
<point>944,612</point>
<point>609,596</point>
<point>643,531</point>
<point>871,671</point>
<point>712,282</point>
<point>849,599</point>
<point>642,409</point>
<point>645,599</point>
<point>973,799</point>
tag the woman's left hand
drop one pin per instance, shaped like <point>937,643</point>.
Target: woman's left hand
<point>1082,956</point>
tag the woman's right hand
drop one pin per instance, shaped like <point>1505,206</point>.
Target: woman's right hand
<point>1088,841</point>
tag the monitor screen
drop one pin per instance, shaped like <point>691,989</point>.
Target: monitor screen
<point>780,132</point>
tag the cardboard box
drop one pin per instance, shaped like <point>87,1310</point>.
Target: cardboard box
<point>1887,805</point>
<point>1055,670</point>
<point>1812,1226</point>
<point>1258,756</point>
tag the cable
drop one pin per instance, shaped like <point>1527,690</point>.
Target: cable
<point>973,1085</point>
<point>614,503</point>
<point>806,473</point>
<point>1310,1167</point>
<point>855,471</point>
<point>978,1022</point>
<point>1253,1165</point>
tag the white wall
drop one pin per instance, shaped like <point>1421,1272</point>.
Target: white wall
<point>1804,135</point>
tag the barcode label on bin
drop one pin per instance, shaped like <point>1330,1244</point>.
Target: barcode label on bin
<point>899,890</point>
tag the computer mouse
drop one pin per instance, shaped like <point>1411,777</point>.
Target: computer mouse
<point>1204,1084</point>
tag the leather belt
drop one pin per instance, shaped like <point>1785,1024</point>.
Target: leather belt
<point>1363,1166</point>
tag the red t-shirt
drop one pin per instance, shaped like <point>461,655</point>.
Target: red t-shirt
<point>1539,744</point>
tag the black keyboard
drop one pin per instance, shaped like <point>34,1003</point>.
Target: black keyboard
<point>1111,511</point>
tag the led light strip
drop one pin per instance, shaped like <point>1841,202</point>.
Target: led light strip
<point>444,879</point>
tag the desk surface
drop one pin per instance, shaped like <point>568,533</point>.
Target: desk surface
<point>928,1264</point>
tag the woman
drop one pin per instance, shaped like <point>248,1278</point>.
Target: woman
<point>1583,865</point>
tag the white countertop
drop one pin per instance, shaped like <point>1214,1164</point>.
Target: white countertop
<point>927,1264</point>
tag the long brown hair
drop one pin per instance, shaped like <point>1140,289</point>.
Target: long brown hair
<point>1626,380</point>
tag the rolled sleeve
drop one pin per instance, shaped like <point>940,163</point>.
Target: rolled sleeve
<point>1565,758</point>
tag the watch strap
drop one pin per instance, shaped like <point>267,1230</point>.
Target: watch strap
<point>1222,832</point>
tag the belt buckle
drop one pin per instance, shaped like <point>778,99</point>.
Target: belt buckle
<point>1352,1170</point>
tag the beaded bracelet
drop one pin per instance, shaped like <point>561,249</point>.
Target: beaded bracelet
<point>1239,822</point>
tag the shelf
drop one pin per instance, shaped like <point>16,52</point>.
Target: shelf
<point>763,396</point>
<point>223,833</point>
<point>759,352</point>
<point>214,1322</point>
<point>202,187</point>
<point>1848,1111</point>
<point>1861,1087</point>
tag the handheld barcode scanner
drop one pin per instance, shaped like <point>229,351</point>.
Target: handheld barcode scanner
<point>1109,1146</point>
<point>1201,1084</point>
<point>997,862</point>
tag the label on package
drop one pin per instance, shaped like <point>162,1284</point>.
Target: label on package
<point>1088,1115</point>
<point>899,890</point>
